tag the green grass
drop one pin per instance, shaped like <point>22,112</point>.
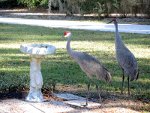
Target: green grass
<point>60,68</point>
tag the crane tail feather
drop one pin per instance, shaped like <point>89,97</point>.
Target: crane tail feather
<point>137,75</point>
<point>108,77</point>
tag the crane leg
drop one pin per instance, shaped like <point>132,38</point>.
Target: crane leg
<point>99,93</point>
<point>122,81</point>
<point>87,96</point>
<point>128,86</point>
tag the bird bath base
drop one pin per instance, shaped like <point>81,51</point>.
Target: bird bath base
<point>37,53</point>
<point>36,81</point>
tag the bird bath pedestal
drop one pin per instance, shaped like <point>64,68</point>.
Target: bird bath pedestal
<point>37,53</point>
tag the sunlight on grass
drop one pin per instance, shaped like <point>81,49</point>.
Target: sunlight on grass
<point>13,55</point>
<point>60,67</point>
<point>12,69</point>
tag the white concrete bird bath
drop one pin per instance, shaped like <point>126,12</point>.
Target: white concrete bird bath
<point>37,53</point>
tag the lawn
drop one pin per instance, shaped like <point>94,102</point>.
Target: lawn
<point>60,70</point>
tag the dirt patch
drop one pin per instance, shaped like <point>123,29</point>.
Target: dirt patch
<point>107,106</point>
<point>110,99</point>
<point>111,102</point>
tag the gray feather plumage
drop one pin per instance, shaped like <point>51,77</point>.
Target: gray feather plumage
<point>89,64</point>
<point>125,58</point>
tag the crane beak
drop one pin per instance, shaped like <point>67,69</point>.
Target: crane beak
<point>110,22</point>
<point>62,37</point>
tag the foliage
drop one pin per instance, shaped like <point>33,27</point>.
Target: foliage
<point>123,7</point>
<point>100,7</point>
<point>33,3</point>
<point>8,3</point>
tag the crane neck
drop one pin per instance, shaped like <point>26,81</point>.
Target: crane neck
<point>69,50</point>
<point>118,39</point>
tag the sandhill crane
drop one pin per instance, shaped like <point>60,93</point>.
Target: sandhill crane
<point>125,58</point>
<point>89,64</point>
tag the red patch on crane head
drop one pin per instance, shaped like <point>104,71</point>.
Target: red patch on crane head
<point>65,33</point>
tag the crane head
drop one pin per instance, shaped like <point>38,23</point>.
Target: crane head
<point>113,20</point>
<point>67,34</point>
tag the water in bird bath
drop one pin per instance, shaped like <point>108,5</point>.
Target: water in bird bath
<point>37,53</point>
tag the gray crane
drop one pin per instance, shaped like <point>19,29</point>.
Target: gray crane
<point>125,58</point>
<point>89,64</point>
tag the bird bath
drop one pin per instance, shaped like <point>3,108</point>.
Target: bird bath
<point>37,53</point>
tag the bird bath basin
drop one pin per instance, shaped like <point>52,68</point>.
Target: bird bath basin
<point>37,53</point>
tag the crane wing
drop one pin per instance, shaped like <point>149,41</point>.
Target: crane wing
<point>88,63</point>
<point>126,59</point>
<point>92,67</point>
<point>89,60</point>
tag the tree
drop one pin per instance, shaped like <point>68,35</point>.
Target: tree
<point>49,6</point>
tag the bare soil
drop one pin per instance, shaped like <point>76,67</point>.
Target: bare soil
<point>114,103</point>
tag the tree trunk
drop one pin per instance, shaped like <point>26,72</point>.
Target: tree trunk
<point>49,6</point>
<point>61,9</point>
